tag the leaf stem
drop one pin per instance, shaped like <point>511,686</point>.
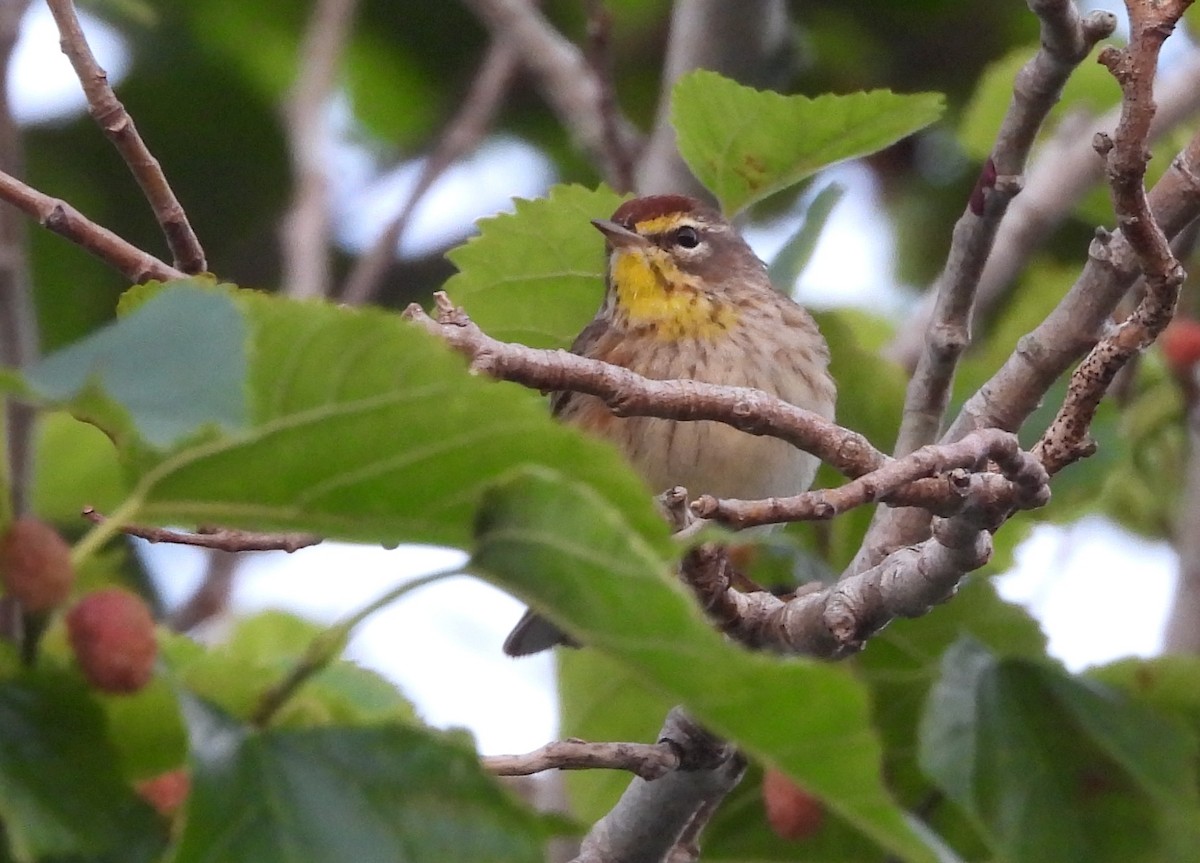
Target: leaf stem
<point>94,539</point>
<point>327,645</point>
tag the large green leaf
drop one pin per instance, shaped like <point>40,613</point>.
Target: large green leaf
<point>744,144</point>
<point>61,788</point>
<point>352,423</point>
<point>573,556</point>
<point>1052,767</point>
<point>329,795</point>
<point>536,275</point>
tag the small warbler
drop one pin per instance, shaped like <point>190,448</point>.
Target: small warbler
<point>686,297</point>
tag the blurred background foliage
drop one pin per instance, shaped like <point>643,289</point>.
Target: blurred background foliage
<point>208,77</point>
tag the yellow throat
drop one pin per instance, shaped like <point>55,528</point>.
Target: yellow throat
<point>652,291</point>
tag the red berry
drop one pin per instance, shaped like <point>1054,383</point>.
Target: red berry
<point>35,565</point>
<point>112,634</point>
<point>166,792</point>
<point>1181,344</point>
<point>792,812</point>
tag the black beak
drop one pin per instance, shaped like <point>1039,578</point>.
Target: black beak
<point>618,236</point>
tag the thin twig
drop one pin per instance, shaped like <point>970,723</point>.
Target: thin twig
<point>1127,154</point>
<point>599,56</point>
<point>221,538</point>
<point>305,230</point>
<point>647,760</point>
<point>18,317</point>
<point>969,454</point>
<point>63,219</point>
<point>111,116</point>
<point>563,76</point>
<point>461,135</point>
<point>1066,40</point>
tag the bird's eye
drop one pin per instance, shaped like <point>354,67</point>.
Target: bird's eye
<point>687,237</point>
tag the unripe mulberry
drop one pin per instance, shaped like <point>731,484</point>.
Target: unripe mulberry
<point>112,634</point>
<point>792,812</point>
<point>166,792</point>
<point>35,565</point>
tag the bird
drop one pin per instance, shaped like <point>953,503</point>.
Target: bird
<point>687,298</point>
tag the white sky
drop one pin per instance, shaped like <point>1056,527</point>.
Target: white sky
<point>442,644</point>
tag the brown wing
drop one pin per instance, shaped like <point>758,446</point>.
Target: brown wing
<point>560,402</point>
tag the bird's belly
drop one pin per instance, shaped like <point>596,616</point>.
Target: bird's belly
<point>713,458</point>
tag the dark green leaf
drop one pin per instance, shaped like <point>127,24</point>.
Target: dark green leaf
<point>61,788</point>
<point>1052,767</point>
<point>331,795</point>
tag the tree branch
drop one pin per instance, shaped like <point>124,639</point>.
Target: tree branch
<point>304,233</point>
<point>1066,40</point>
<point>114,120</point>
<point>1053,346</point>
<point>972,454</point>
<point>1127,154</point>
<point>630,394</point>
<point>598,54</point>
<point>565,79</point>
<point>19,336</point>
<point>1065,169</point>
<point>647,760</point>
<point>212,596</point>
<point>461,135</point>
<point>63,219</point>
<point>835,621</point>
<point>220,538</point>
<point>651,817</point>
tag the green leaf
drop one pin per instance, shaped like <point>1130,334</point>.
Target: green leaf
<point>903,661</point>
<point>74,463</point>
<point>1052,767</point>
<point>574,557</point>
<point>745,144</point>
<point>791,260</point>
<point>357,425</point>
<point>61,788</point>
<point>260,651</point>
<point>1168,683</point>
<point>536,275</point>
<point>332,795</point>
